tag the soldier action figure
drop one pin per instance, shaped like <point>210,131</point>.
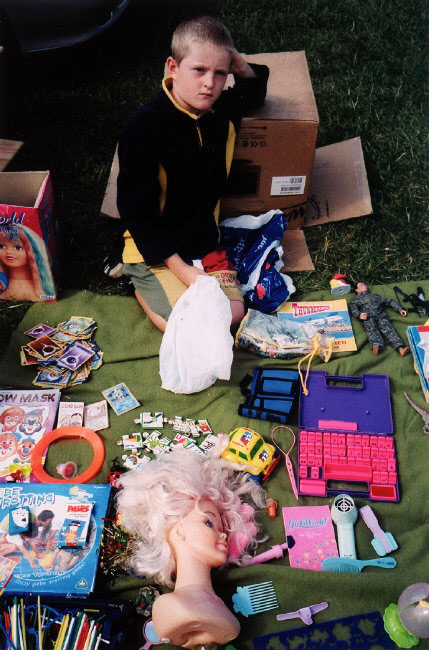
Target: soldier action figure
<point>370,309</point>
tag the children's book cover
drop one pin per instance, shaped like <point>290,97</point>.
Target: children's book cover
<point>43,566</point>
<point>330,317</point>
<point>313,532</point>
<point>418,336</point>
<point>25,416</point>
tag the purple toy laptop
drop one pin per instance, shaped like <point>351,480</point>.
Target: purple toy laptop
<point>345,437</point>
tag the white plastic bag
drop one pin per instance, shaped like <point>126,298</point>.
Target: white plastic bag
<point>196,348</point>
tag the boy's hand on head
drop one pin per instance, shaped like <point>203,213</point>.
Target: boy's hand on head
<point>240,67</point>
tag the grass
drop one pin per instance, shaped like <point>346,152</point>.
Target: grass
<point>368,63</point>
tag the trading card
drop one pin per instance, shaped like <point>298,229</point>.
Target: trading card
<point>75,356</point>
<point>63,337</point>
<point>44,347</point>
<point>96,416</point>
<point>96,361</point>
<point>79,376</point>
<point>40,330</point>
<point>120,398</point>
<point>70,414</point>
<point>50,379</point>
<point>27,359</point>
<point>76,325</point>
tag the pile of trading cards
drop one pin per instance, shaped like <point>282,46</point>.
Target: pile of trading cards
<point>64,355</point>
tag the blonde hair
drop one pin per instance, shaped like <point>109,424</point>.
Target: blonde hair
<point>153,499</point>
<point>204,29</point>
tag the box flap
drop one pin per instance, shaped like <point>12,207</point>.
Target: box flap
<point>289,92</point>
<point>296,256</point>
<point>109,209</point>
<point>8,148</point>
<point>339,185</point>
<point>21,189</point>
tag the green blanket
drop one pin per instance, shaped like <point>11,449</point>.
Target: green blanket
<point>130,345</point>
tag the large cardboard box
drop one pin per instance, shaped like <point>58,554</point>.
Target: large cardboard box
<point>275,147</point>
<point>28,237</point>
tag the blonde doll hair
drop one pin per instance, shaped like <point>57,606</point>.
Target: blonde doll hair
<point>154,498</point>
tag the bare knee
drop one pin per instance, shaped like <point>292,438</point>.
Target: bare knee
<point>237,313</point>
<point>157,320</point>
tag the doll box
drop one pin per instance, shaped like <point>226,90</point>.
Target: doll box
<point>28,237</point>
<point>345,438</point>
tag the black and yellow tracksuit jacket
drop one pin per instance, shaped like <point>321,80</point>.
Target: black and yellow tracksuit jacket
<point>173,169</point>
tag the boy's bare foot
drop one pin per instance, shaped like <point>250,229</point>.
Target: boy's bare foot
<point>403,351</point>
<point>375,349</point>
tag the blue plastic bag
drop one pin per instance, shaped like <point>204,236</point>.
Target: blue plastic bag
<point>253,246</point>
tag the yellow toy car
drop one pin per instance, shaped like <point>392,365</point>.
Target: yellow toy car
<point>248,447</point>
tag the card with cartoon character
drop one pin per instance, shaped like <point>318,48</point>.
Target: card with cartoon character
<point>120,398</point>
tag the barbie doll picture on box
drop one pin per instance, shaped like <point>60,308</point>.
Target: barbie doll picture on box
<point>191,514</point>
<point>25,265</point>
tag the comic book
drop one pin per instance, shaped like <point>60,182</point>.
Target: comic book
<point>42,565</point>
<point>25,416</point>
<point>330,317</point>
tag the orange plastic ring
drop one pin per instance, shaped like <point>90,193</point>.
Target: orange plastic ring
<point>68,432</point>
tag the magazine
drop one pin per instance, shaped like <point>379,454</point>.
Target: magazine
<point>42,565</point>
<point>418,336</point>
<point>330,317</point>
<point>25,416</point>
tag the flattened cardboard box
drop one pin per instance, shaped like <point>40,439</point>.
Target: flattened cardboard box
<point>275,146</point>
<point>28,237</point>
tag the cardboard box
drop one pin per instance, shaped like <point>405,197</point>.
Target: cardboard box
<point>275,146</point>
<point>28,237</point>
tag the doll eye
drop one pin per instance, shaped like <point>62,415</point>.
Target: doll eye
<point>18,248</point>
<point>209,523</point>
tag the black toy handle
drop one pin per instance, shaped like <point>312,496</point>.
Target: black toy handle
<point>244,385</point>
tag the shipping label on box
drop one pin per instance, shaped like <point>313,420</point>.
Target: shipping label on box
<point>28,237</point>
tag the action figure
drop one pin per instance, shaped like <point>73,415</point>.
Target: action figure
<point>369,307</point>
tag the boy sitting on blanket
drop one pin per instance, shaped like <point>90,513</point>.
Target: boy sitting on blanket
<point>174,158</point>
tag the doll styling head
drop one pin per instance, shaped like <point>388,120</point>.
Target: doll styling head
<point>157,498</point>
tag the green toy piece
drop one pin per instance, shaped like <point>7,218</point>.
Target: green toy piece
<point>396,630</point>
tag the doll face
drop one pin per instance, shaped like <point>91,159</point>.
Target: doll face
<point>201,531</point>
<point>361,287</point>
<point>12,253</point>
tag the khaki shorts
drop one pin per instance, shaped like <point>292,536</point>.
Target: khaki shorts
<point>161,289</point>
